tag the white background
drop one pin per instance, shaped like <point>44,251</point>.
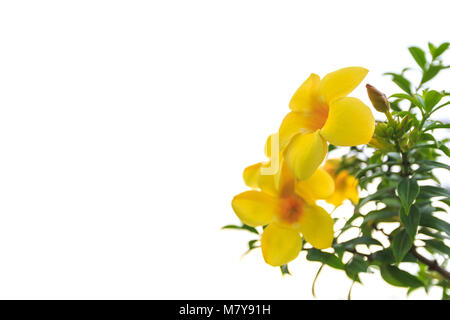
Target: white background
<point>125,127</point>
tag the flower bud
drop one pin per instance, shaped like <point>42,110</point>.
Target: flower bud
<point>378,99</point>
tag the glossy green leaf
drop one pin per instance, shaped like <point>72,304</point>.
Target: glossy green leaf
<point>439,50</point>
<point>433,164</point>
<point>432,98</point>
<point>355,266</point>
<point>325,257</point>
<point>439,246</point>
<point>399,278</point>
<point>401,244</point>
<point>407,190</point>
<point>401,81</point>
<point>433,191</point>
<point>419,56</point>
<point>430,221</point>
<point>430,73</point>
<point>410,221</point>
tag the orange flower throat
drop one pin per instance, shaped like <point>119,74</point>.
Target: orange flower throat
<point>291,210</point>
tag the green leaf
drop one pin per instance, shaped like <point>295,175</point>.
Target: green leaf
<point>430,73</point>
<point>439,50</point>
<point>284,270</point>
<point>243,227</point>
<point>325,257</point>
<point>445,150</point>
<point>380,194</point>
<point>433,191</point>
<point>405,96</point>
<point>432,98</point>
<point>438,126</point>
<point>432,49</point>
<point>384,215</point>
<point>355,266</point>
<point>386,256</point>
<point>401,244</point>
<point>351,244</point>
<point>432,234</point>
<point>407,190</point>
<point>433,164</point>
<point>401,81</point>
<point>437,245</point>
<point>252,244</point>
<point>399,278</point>
<point>430,221</point>
<point>418,55</point>
<point>410,221</point>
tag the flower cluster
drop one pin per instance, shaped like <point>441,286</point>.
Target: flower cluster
<point>283,201</point>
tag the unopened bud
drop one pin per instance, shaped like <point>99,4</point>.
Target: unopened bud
<point>378,99</point>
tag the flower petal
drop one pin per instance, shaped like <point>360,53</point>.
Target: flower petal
<point>319,186</point>
<point>306,96</point>
<point>341,82</point>
<point>350,123</point>
<point>316,225</point>
<point>295,123</point>
<point>346,187</point>
<point>280,245</point>
<point>255,208</point>
<point>251,175</point>
<point>254,178</point>
<point>305,153</point>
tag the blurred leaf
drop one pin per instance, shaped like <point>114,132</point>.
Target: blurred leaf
<point>439,50</point>
<point>407,190</point>
<point>401,244</point>
<point>430,221</point>
<point>433,191</point>
<point>382,215</point>
<point>399,278</point>
<point>404,96</point>
<point>418,55</point>
<point>401,81</point>
<point>351,244</point>
<point>355,266</point>
<point>373,166</point>
<point>433,164</point>
<point>410,221</point>
<point>386,256</point>
<point>437,245</point>
<point>445,150</point>
<point>432,49</point>
<point>432,98</point>
<point>432,234</point>
<point>430,73</point>
<point>325,257</point>
<point>284,270</point>
<point>243,227</point>
<point>380,194</point>
<point>438,126</point>
<point>251,245</point>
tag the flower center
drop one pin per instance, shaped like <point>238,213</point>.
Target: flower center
<point>320,115</point>
<point>291,210</point>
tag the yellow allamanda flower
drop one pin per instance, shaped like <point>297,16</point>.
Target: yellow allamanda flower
<point>287,208</point>
<point>346,186</point>
<point>321,112</point>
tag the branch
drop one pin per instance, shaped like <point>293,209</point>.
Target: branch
<point>432,264</point>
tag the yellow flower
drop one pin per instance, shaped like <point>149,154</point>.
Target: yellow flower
<point>321,112</point>
<point>346,186</point>
<point>287,208</point>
